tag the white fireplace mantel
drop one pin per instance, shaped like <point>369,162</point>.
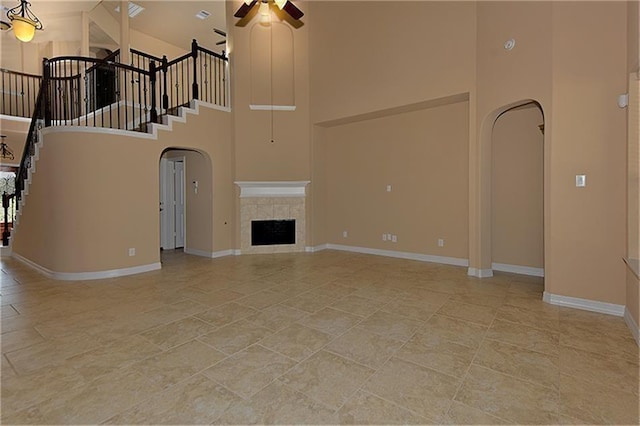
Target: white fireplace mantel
<point>249,189</point>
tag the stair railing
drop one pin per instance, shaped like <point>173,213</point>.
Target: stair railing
<point>79,91</point>
<point>37,122</point>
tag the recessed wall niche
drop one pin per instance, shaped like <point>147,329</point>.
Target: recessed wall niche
<point>272,65</point>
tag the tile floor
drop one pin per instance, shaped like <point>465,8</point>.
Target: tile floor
<point>325,338</point>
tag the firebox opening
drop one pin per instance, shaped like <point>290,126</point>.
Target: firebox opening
<point>272,232</point>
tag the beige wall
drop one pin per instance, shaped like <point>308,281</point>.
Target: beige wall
<point>517,224</point>
<point>359,71</point>
<point>633,36</point>
<point>257,158</point>
<point>423,155</point>
<point>588,136</point>
<point>84,217</point>
<point>633,296</point>
<point>376,55</point>
<point>18,56</point>
<point>504,79</point>
<point>633,153</point>
<point>633,169</point>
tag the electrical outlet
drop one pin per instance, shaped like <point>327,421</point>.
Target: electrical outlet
<point>440,242</point>
<point>345,234</point>
<point>394,238</point>
<point>388,188</point>
<point>388,237</point>
<point>384,237</point>
<point>132,251</point>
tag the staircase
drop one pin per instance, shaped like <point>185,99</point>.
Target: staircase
<point>142,97</point>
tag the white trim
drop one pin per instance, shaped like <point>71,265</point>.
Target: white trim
<point>272,107</point>
<point>584,304</point>
<point>401,255</point>
<point>15,118</point>
<point>249,189</point>
<point>633,265</point>
<point>517,269</point>
<point>10,164</point>
<point>209,254</point>
<point>632,325</point>
<point>82,276</point>
<point>237,252</point>
<point>480,273</point>
<point>315,249</point>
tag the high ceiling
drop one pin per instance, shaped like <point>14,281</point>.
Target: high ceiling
<point>174,22</point>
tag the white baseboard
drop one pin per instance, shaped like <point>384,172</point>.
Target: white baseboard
<point>584,304</point>
<point>516,269</point>
<point>315,249</point>
<point>401,255</point>
<point>480,273</point>
<point>209,254</point>
<point>81,276</point>
<point>632,325</point>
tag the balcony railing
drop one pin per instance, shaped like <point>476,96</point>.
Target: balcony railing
<point>19,93</point>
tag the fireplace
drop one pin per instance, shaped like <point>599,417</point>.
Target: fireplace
<point>272,216</point>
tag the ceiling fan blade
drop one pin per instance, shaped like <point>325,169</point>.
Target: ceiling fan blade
<point>219,32</point>
<point>292,10</point>
<point>221,42</point>
<point>244,9</point>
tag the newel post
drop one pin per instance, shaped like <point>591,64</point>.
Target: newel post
<point>152,82</point>
<point>194,54</point>
<point>165,93</point>
<point>46,76</point>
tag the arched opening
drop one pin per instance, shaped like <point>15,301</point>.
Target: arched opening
<point>482,215</point>
<point>185,201</point>
<point>517,191</point>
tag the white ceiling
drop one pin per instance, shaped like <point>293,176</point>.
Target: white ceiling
<point>171,21</point>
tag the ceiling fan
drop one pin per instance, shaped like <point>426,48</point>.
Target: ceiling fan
<point>285,5</point>
<point>220,33</point>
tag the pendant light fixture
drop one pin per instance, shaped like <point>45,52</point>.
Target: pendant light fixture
<point>24,21</point>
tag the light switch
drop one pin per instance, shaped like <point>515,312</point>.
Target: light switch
<point>388,188</point>
<point>581,181</point>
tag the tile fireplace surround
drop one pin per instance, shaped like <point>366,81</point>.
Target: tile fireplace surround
<point>279,200</point>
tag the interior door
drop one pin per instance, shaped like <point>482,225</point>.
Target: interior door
<point>172,203</point>
<point>179,203</point>
<point>167,209</point>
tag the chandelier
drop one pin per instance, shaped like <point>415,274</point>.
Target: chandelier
<point>5,151</point>
<point>24,21</point>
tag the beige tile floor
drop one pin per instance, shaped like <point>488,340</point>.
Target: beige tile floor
<point>325,338</point>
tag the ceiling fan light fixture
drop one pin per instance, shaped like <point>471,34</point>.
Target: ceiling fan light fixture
<point>24,21</point>
<point>265,13</point>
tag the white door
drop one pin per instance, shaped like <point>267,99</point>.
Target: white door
<point>179,203</point>
<point>172,203</point>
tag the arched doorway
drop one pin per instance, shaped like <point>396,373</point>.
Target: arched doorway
<point>481,178</point>
<point>185,201</point>
<point>517,191</point>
